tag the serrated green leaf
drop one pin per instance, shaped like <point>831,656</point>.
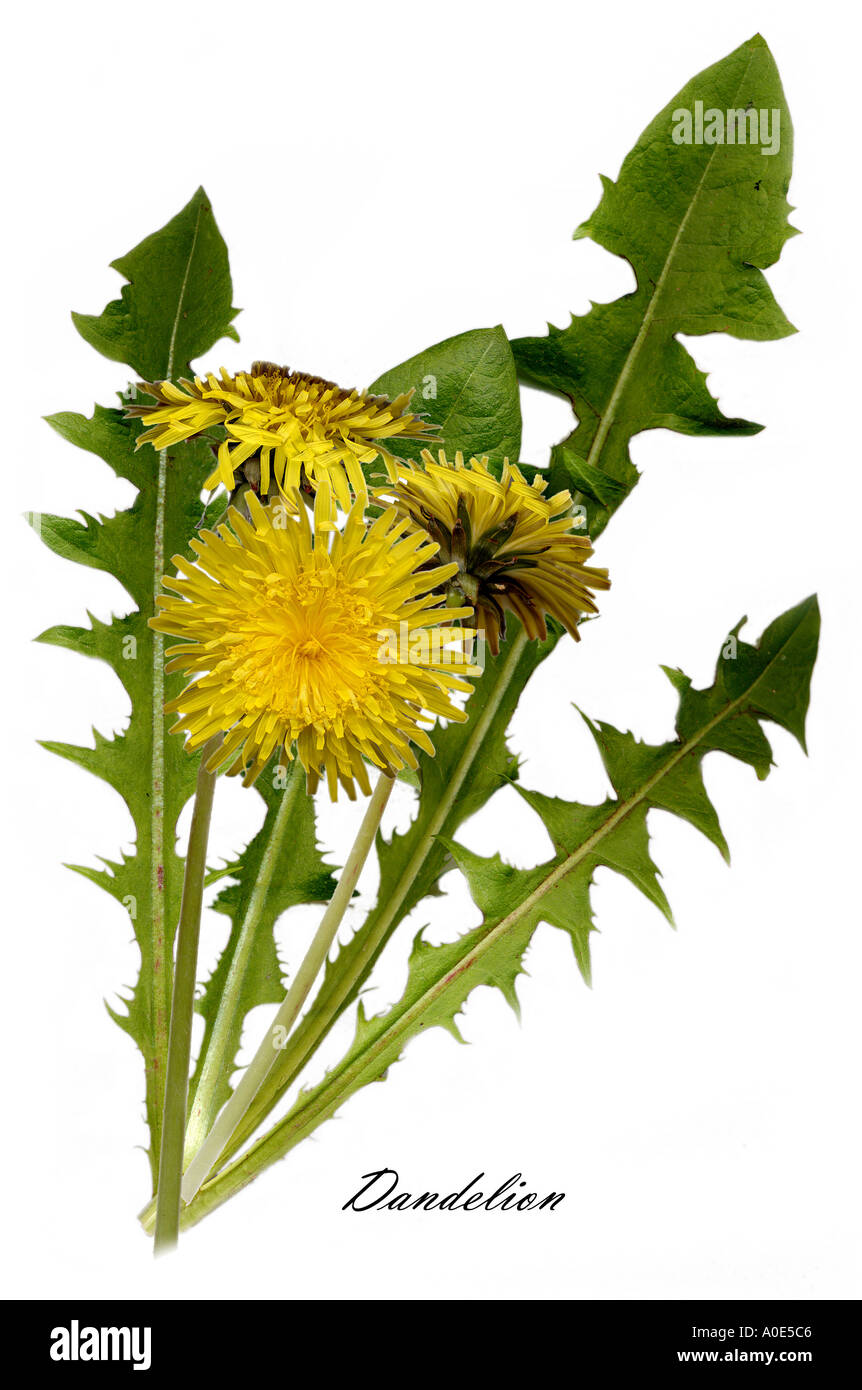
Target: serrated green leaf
<point>177,302</point>
<point>698,223</point>
<point>150,771</point>
<point>176,306</point>
<point>774,686</point>
<point>629,763</point>
<point>468,387</point>
<point>624,370</point>
<point>769,681</point>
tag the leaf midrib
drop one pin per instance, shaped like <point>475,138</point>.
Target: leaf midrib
<point>609,414</point>
<point>160,943</point>
<point>465,383</point>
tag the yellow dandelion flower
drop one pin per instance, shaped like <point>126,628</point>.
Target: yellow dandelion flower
<point>296,424</point>
<point>332,642</point>
<point>514,548</point>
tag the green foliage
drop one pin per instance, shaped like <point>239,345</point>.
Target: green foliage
<point>177,307</point>
<point>753,684</point>
<point>468,387</point>
<point>476,403</point>
<point>698,223</point>
<point>150,771</point>
<point>177,302</point>
<point>695,228</point>
<point>471,763</point>
<point>281,868</point>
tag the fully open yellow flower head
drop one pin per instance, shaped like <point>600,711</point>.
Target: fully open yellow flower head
<point>333,642</point>
<point>514,548</point>
<point>299,426</point>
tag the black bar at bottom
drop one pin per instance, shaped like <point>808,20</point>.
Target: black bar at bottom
<point>262,1339</point>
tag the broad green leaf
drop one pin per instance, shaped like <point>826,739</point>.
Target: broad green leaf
<point>468,387</point>
<point>698,223</point>
<point>753,684</point>
<point>177,306</point>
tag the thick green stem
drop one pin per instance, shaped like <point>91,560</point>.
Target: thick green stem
<point>267,1054</point>
<point>217,1059</point>
<point>182,1011</point>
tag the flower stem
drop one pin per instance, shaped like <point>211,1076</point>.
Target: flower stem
<point>274,1144</point>
<point>203,1107</point>
<point>182,1010</point>
<point>372,936</point>
<point>268,1051</point>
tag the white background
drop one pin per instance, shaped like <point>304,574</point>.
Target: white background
<point>387,175</point>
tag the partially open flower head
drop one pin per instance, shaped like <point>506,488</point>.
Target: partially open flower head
<point>297,429</point>
<point>514,549</point>
<point>333,643</point>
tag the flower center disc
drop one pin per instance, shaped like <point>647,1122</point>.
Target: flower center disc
<point>308,650</point>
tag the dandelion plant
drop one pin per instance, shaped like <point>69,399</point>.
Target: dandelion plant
<point>337,588</point>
